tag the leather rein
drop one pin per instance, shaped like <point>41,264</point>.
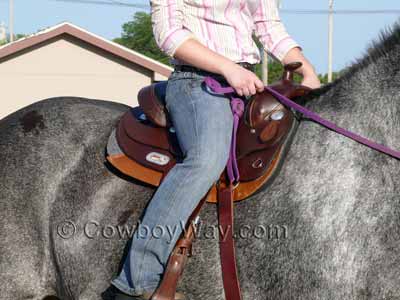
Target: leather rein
<point>216,87</point>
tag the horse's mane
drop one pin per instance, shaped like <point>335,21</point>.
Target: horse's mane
<point>382,46</point>
<point>388,39</point>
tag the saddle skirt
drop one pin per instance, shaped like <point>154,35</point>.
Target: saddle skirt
<point>144,145</point>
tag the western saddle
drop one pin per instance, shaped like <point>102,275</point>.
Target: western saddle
<point>144,146</point>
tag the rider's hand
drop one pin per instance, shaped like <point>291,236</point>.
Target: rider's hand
<point>311,81</point>
<point>243,81</point>
<point>307,71</point>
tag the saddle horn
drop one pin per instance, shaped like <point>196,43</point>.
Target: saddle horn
<point>289,69</point>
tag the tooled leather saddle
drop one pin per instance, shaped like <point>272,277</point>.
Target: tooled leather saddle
<point>144,146</point>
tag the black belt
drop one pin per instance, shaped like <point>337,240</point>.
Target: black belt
<point>188,68</point>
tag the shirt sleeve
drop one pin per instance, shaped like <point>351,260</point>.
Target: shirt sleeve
<point>270,30</point>
<point>166,19</point>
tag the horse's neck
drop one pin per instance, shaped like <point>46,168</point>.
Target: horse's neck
<point>364,104</point>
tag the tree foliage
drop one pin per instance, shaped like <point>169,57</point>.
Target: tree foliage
<point>138,35</point>
<point>17,37</point>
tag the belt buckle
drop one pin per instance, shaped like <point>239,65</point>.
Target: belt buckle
<point>180,67</point>
<point>189,68</point>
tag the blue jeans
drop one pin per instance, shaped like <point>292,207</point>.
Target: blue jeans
<point>203,122</point>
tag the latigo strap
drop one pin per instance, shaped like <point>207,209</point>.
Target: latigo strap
<point>183,250</point>
<point>227,245</point>
<point>178,258</point>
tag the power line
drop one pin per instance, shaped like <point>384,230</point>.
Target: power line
<point>125,4</point>
<point>288,11</point>
<point>111,3</point>
<point>341,11</point>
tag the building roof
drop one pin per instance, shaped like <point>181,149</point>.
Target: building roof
<point>88,37</point>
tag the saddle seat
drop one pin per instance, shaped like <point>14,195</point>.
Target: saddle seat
<point>152,101</point>
<point>144,144</point>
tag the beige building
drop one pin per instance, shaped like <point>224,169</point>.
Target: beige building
<point>66,60</point>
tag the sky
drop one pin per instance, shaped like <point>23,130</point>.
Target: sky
<point>352,33</point>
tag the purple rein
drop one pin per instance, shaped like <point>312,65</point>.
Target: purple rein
<point>237,106</point>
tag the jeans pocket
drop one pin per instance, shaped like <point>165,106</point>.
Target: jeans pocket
<point>195,85</point>
<point>175,91</point>
<point>170,87</point>
<point>194,89</point>
<point>207,90</point>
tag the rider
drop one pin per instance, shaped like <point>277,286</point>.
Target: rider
<point>202,38</point>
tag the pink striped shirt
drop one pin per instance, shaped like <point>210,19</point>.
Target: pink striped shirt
<point>224,26</point>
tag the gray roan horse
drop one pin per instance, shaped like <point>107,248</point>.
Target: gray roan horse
<point>338,200</point>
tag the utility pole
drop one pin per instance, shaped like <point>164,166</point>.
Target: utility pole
<point>264,66</point>
<point>11,20</point>
<point>264,58</point>
<point>3,33</point>
<point>330,42</point>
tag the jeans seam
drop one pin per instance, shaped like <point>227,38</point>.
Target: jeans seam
<point>196,133</point>
<point>148,241</point>
<point>169,210</point>
<point>140,273</point>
